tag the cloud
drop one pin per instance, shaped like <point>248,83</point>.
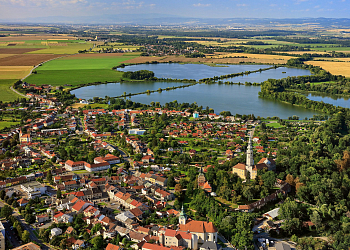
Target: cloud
<point>201,5</point>
<point>241,5</point>
<point>130,4</point>
<point>43,3</point>
<point>273,5</point>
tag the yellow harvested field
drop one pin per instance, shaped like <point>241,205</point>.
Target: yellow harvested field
<point>335,68</point>
<point>5,55</point>
<point>302,52</point>
<point>14,72</point>
<point>255,56</point>
<point>346,59</point>
<point>214,60</point>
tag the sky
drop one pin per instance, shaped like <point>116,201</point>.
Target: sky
<point>14,9</point>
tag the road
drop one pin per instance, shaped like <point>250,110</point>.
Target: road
<point>17,92</point>
<point>30,230</point>
<point>25,226</point>
<point>227,243</point>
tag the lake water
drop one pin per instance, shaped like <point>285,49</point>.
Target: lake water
<point>192,71</point>
<point>238,99</point>
<point>335,100</point>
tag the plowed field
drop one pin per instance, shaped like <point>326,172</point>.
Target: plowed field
<point>26,59</point>
<point>16,50</point>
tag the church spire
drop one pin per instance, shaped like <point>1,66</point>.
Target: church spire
<point>182,217</point>
<point>250,159</point>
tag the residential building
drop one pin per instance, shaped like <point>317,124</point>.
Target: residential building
<point>28,246</point>
<point>136,131</point>
<point>56,231</point>
<point>74,166</point>
<point>33,189</point>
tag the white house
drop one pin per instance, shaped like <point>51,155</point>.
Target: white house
<point>33,189</point>
<point>136,131</point>
<point>56,231</point>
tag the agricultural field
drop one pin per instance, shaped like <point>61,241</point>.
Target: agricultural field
<point>80,69</point>
<point>216,59</point>
<point>14,72</point>
<point>5,55</point>
<point>336,68</point>
<point>45,44</point>
<point>334,59</point>
<point>12,50</point>
<point>31,37</point>
<point>6,124</point>
<point>25,59</point>
<point>254,56</point>
<point>7,95</point>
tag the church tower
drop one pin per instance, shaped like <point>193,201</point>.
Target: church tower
<point>250,159</point>
<point>182,217</point>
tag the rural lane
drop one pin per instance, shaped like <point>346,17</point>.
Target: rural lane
<point>17,92</point>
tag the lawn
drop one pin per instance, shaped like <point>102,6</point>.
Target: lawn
<point>75,70</point>
<point>80,172</point>
<point>274,125</point>
<point>102,204</point>
<point>7,95</point>
<point>98,105</point>
<point>230,204</point>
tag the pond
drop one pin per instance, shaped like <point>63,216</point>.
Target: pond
<point>331,99</point>
<point>238,99</point>
<point>200,71</point>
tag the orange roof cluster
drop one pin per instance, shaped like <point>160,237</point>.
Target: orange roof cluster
<point>198,227</point>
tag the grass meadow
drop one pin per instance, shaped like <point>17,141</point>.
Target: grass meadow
<point>7,95</point>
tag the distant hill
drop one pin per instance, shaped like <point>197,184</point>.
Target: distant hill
<point>162,19</point>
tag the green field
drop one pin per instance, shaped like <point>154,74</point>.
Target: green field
<point>4,124</point>
<point>51,46</point>
<point>71,48</point>
<point>274,125</point>
<point>7,95</point>
<point>74,63</point>
<point>75,71</point>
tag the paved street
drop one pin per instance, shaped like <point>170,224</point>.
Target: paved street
<point>14,240</point>
<point>227,243</point>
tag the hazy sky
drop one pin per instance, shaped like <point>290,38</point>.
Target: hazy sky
<point>187,8</point>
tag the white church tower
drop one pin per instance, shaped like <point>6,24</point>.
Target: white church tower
<point>250,159</point>
<point>182,217</point>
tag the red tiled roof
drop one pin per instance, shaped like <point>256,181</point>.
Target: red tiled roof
<point>78,206</point>
<point>198,227</point>
<point>240,166</point>
<point>111,246</point>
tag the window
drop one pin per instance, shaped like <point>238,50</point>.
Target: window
<point>208,237</point>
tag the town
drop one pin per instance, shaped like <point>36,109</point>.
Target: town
<point>97,177</point>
